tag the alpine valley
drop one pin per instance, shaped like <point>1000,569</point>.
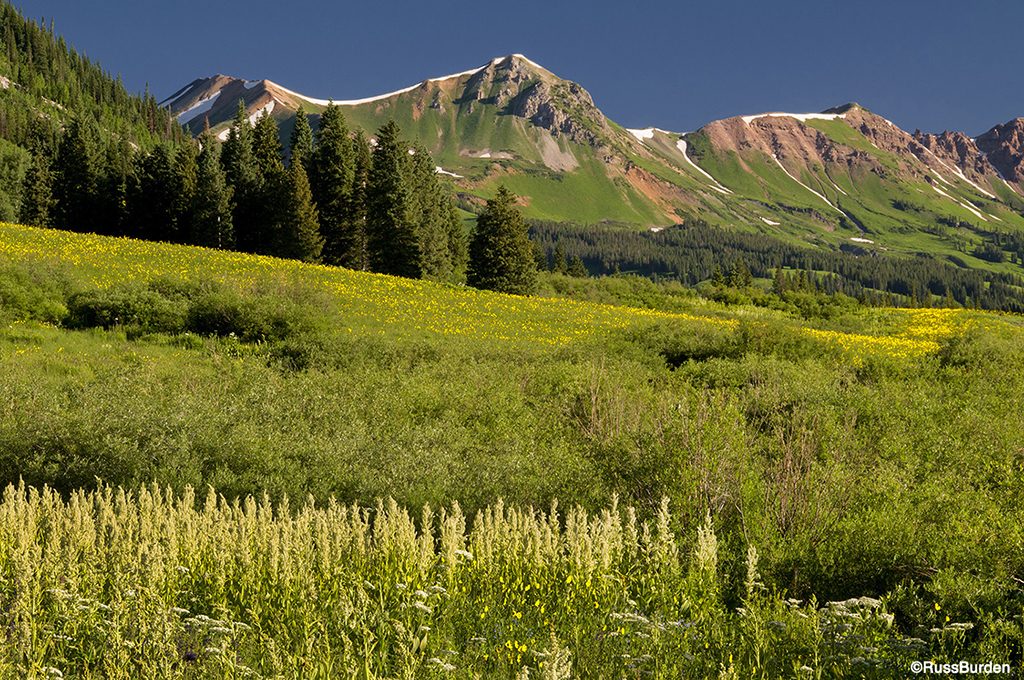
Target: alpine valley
<point>845,178</point>
<point>469,381</point>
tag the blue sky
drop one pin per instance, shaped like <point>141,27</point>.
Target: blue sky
<point>677,65</point>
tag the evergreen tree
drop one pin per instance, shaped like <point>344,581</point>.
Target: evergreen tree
<point>300,145</point>
<point>239,165</point>
<point>269,201</point>
<point>266,148</point>
<point>186,183</point>
<point>559,264</point>
<point>392,243</point>
<point>458,246</point>
<point>113,183</point>
<point>577,268</point>
<point>153,199</point>
<point>75,180</point>
<point>363,160</point>
<point>300,230</point>
<point>332,175</point>
<point>211,215</point>
<point>740,276</point>
<point>426,209</point>
<point>500,254</point>
<point>779,282</point>
<point>540,256</point>
<point>717,277</point>
<point>236,155</point>
<point>37,193</point>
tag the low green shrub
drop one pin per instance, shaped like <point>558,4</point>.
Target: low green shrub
<point>135,308</point>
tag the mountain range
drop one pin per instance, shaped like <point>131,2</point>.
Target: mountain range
<point>845,177</point>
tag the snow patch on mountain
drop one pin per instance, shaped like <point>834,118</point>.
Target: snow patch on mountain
<point>681,145</point>
<point>379,97</point>
<point>199,108</point>
<point>837,187</point>
<point>646,133</point>
<point>770,223</point>
<point>441,171</point>
<point>966,206</point>
<point>249,84</point>
<point>779,163</point>
<point>266,108</point>
<point>802,117</point>
<point>369,100</point>
<point>1010,186</point>
<point>959,173</point>
<point>858,239</point>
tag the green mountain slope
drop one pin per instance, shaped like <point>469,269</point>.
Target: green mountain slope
<point>844,178</point>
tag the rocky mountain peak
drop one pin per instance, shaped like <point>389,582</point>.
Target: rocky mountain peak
<point>1003,145</point>
<point>524,89</point>
<point>958,150</point>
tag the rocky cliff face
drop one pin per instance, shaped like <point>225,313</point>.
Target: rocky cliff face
<point>1003,145</point>
<point>518,87</point>
<point>788,139</point>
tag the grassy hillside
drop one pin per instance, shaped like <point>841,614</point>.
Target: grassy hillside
<point>872,455</point>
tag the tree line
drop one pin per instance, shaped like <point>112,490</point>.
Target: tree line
<point>333,197</point>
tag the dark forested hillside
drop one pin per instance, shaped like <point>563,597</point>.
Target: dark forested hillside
<point>42,77</point>
<point>44,85</point>
<point>692,252</point>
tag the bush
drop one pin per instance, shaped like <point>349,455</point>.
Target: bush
<point>679,342</point>
<point>260,319</point>
<point>32,293</point>
<point>132,308</point>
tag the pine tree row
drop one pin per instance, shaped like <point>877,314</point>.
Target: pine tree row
<point>339,199</point>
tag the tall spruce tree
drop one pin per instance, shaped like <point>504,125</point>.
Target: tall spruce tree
<point>113,183</point>
<point>211,215</point>
<point>239,165</point>
<point>75,180</point>
<point>426,211</point>
<point>458,247</point>
<point>37,192</point>
<point>300,230</point>
<point>300,144</point>
<point>500,254</point>
<point>266,147</point>
<point>576,268</point>
<point>357,206</point>
<point>392,243</point>
<point>153,199</point>
<point>332,173</point>
<point>270,199</point>
<point>186,182</point>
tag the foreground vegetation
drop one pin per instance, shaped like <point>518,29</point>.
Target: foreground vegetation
<point>873,454</point>
<point>146,584</point>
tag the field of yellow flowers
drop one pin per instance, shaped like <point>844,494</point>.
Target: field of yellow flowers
<point>388,305</point>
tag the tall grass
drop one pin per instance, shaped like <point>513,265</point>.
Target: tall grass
<point>121,584</point>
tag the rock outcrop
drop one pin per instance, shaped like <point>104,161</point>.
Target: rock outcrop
<point>1003,145</point>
